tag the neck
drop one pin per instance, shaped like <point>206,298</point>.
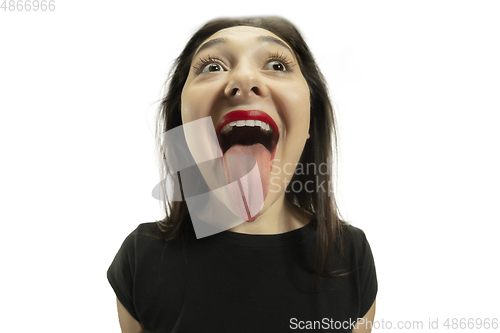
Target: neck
<point>279,218</point>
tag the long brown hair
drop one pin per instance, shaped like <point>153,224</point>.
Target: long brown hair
<point>320,148</point>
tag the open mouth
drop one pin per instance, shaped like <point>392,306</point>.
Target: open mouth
<point>247,128</point>
<point>253,133</point>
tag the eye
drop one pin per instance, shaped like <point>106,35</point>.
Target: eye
<point>212,67</point>
<point>275,66</point>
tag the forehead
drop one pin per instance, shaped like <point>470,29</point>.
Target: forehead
<point>242,31</point>
<point>244,34</point>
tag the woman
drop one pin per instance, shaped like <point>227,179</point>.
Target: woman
<point>290,262</point>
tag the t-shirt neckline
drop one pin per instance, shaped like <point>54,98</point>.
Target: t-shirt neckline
<point>264,240</point>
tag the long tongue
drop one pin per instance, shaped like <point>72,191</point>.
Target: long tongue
<point>253,185</point>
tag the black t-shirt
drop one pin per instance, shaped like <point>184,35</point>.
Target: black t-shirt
<point>232,282</point>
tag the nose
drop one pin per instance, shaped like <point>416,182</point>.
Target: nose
<point>245,82</point>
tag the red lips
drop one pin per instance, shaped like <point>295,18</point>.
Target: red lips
<point>246,115</point>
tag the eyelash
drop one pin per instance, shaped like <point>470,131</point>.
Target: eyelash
<point>280,57</point>
<point>202,62</point>
<point>289,64</point>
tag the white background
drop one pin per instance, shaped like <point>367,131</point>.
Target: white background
<point>416,87</point>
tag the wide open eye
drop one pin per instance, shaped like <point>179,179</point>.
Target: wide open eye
<point>276,66</point>
<point>212,67</point>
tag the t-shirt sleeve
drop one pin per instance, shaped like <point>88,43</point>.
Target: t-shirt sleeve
<point>367,275</point>
<point>121,274</point>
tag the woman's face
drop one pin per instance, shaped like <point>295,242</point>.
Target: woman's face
<point>249,81</point>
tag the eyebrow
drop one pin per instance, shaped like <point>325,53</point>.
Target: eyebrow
<point>266,39</point>
<point>271,39</point>
<point>211,43</point>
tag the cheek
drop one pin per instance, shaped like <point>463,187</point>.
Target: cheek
<point>297,110</point>
<point>196,101</point>
<point>295,107</point>
<point>199,99</point>
<point>188,105</point>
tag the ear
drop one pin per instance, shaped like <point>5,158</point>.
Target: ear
<point>308,135</point>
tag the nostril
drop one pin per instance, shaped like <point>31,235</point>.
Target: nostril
<point>256,90</point>
<point>235,91</point>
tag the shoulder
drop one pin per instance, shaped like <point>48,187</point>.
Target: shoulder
<point>362,267</point>
<point>146,237</point>
<point>150,229</point>
<point>354,238</point>
<point>354,234</point>
<point>142,234</point>
<point>357,250</point>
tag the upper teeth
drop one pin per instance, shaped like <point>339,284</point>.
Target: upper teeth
<point>249,122</point>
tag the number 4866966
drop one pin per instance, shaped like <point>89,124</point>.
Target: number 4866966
<point>28,5</point>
